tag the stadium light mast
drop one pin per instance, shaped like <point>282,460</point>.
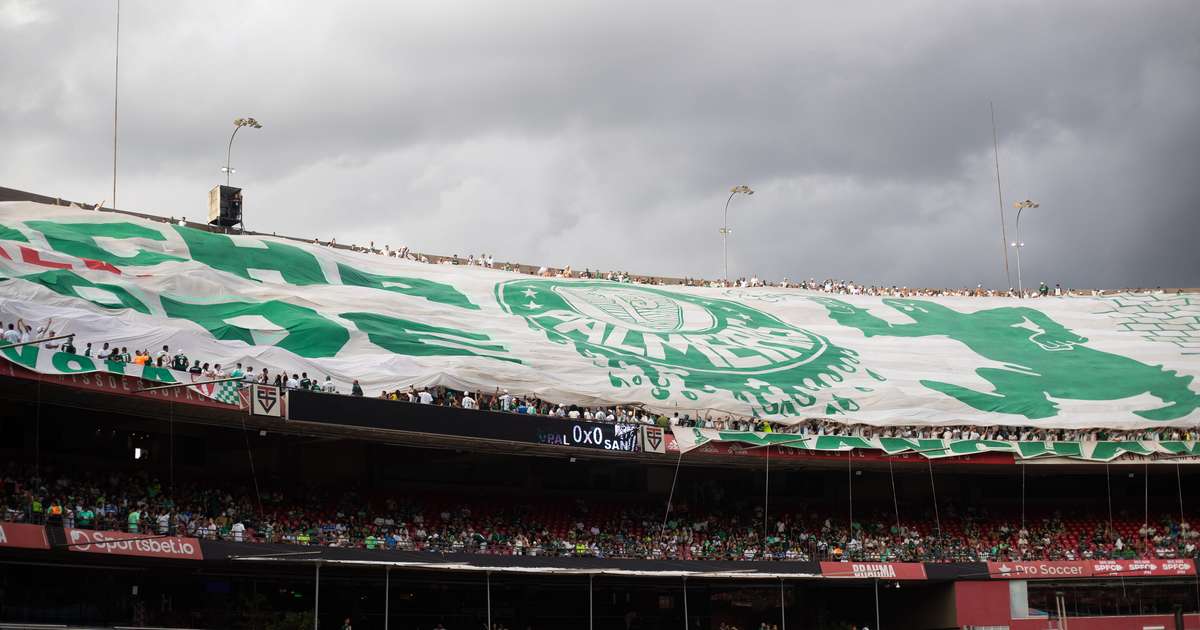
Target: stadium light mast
<point>744,190</point>
<point>1018,244</point>
<point>238,123</point>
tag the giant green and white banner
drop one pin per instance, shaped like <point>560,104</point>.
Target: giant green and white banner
<point>1120,361</point>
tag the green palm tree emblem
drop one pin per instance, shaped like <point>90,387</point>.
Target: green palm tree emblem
<point>680,344</point>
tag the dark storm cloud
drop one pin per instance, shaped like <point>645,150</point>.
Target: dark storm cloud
<point>606,135</point>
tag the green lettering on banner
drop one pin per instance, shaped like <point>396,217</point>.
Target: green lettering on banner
<point>1028,450</point>
<point>116,367</point>
<point>219,251</point>
<point>840,443</point>
<point>25,356</point>
<point>68,283</point>
<point>78,239</point>
<point>308,333</point>
<point>1177,447</point>
<point>9,234</point>
<point>764,439</point>
<point>1105,451</point>
<point>71,363</point>
<point>402,336</point>
<point>417,287</point>
<point>967,447</point>
<point>925,446</point>
<point>154,373</point>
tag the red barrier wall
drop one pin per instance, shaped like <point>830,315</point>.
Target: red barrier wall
<point>982,603</point>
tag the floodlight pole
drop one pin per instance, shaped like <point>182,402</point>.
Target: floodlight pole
<point>1017,244</point>
<point>725,237</point>
<point>744,189</point>
<point>237,124</point>
<point>229,153</point>
<point>317,600</point>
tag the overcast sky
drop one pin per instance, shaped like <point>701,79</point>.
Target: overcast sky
<point>607,134</point>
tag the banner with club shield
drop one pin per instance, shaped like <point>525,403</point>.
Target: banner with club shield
<point>1125,361</point>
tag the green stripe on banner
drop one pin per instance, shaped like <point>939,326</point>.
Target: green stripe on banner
<point>36,359</point>
<point>932,448</point>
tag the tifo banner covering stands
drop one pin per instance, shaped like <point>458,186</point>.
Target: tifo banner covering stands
<point>1098,451</point>
<point>1121,361</point>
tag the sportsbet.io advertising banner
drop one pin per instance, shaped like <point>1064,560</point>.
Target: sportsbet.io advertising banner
<point>129,544</point>
<point>1120,361</point>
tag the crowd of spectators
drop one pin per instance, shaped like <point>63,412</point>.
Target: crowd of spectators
<point>572,527</point>
<point>501,400</point>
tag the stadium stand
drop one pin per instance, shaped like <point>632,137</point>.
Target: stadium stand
<point>465,523</point>
<point>439,508</point>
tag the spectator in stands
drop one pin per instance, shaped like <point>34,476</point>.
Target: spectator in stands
<point>84,517</point>
<point>178,362</point>
<point>26,331</point>
<point>12,335</point>
<point>356,389</point>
